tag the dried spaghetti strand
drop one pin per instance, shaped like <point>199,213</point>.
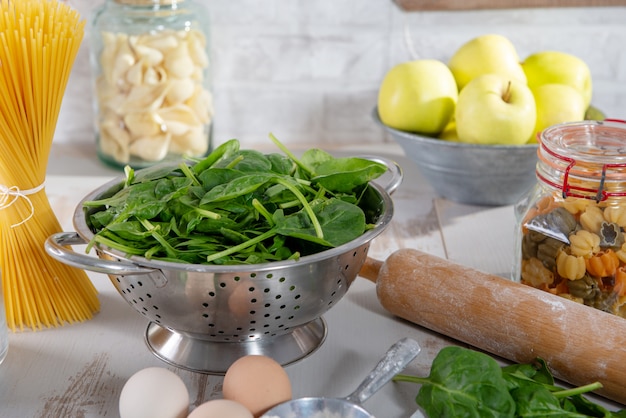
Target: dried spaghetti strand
<point>39,41</point>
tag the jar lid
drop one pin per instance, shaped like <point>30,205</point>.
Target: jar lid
<point>584,159</point>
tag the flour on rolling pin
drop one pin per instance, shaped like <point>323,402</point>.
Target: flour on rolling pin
<point>580,344</point>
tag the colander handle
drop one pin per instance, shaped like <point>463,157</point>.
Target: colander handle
<point>57,246</point>
<point>393,168</point>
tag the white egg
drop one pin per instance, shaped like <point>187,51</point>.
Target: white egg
<point>154,392</point>
<point>221,408</point>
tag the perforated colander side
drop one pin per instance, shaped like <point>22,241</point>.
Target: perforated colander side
<point>138,297</point>
<point>246,306</point>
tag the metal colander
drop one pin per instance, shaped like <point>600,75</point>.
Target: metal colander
<point>204,317</point>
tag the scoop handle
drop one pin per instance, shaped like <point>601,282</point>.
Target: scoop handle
<point>394,361</point>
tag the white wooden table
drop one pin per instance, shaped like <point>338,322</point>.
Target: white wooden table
<point>79,370</point>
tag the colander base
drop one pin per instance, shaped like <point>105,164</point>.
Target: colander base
<point>214,357</point>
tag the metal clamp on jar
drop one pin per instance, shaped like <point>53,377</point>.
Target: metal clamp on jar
<point>151,82</point>
<point>570,235</point>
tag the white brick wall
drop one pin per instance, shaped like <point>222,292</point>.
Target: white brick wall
<point>309,71</point>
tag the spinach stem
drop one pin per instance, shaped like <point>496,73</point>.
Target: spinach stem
<point>291,155</point>
<point>189,174</point>
<point>113,244</point>
<point>235,161</point>
<point>171,252</point>
<point>290,204</point>
<point>409,378</point>
<point>130,175</point>
<point>305,205</point>
<point>242,246</point>
<point>577,390</point>
<point>264,212</point>
<point>207,213</point>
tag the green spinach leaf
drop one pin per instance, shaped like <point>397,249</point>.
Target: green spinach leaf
<point>238,206</point>
<point>463,383</point>
<point>468,383</point>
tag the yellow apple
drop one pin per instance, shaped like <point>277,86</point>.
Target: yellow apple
<point>547,67</point>
<point>556,103</point>
<point>492,109</point>
<point>486,54</point>
<point>417,96</point>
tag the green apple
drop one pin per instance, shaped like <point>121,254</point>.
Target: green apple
<point>493,109</point>
<point>486,54</point>
<point>556,103</point>
<point>418,96</point>
<point>593,113</point>
<point>547,67</point>
<point>449,132</point>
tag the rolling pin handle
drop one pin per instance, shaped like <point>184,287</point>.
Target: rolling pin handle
<point>371,269</point>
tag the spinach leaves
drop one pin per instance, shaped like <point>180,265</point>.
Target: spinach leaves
<point>467,383</point>
<point>238,207</point>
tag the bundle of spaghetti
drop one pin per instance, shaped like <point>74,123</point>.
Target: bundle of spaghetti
<point>39,41</point>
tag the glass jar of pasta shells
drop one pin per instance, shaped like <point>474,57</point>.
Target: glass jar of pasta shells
<point>151,77</point>
<point>570,237</point>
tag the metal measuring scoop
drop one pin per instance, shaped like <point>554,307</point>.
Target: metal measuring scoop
<point>395,360</point>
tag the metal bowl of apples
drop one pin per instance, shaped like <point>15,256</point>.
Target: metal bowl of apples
<point>471,124</point>
<point>474,174</point>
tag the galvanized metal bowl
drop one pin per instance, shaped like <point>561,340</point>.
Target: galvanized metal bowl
<point>204,317</point>
<point>485,175</point>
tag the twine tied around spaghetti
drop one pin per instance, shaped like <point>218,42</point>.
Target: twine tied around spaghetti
<point>10,195</point>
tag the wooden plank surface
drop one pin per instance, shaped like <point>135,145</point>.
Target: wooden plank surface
<point>491,228</point>
<point>423,5</point>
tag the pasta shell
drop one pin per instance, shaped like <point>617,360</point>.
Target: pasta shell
<point>202,104</point>
<point>178,119</point>
<point>144,98</point>
<point>141,124</point>
<point>123,63</point>
<point>154,76</point>
<point>194,142</point>
<point>114,140</point>
<point>151,148</point>
<point>162,41</point>
<point>180,90</point>
<point>178,63</point>
<point>108,54</point>
<point>134,75</point>
<point>197,49</point>
<point>133,40</point>
<point>151,96</point>
<point>149,56</point>
<point>197,74</point>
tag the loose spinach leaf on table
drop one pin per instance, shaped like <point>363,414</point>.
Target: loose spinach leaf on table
<point>468,383</point>
<point>462,384</point>
<point>238,206</point>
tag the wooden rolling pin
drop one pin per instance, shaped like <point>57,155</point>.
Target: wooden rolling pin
<point>517,322</point>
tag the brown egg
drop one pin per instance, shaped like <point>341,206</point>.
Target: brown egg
<point>220,408</point>
<point>257,382</point>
